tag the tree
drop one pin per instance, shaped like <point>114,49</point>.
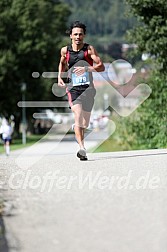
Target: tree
<point>101,17</point>
<point>30,38</point>
<point>147,127</point>
<point>151,35</point>
<point>115,50</point>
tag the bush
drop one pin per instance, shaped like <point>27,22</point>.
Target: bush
<point>146,128</point>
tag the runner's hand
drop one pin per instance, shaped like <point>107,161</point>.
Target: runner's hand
<point>61,83</point>
<point>79,70</point>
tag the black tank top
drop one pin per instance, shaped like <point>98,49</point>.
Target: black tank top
<point>74,56</point>
<point>78,58</point>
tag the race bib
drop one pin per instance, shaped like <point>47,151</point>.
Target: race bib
<point>78,80</point>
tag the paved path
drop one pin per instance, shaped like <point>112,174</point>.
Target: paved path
<point>113,202</point>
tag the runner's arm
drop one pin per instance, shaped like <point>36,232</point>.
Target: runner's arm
<point>99,67</point>
<point>62,67</point>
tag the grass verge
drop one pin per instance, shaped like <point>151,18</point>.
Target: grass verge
<point>17,143</point>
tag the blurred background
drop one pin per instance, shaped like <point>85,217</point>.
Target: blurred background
<point>132,35</point>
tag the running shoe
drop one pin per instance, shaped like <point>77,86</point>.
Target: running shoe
<point>82,155</point>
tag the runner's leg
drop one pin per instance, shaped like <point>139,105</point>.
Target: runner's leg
<point>86,119</point>
<point>7,148</point>
<point>78,116</point>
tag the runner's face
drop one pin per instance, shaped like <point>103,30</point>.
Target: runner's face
<point>77,36</point>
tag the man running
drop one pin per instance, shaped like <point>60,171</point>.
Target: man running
<point>6,131</point>
<point>78,58</point>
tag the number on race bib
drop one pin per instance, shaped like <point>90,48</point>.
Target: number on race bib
<point>80,80</point>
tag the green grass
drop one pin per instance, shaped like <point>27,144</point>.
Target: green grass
<point>17,143</point>
<point>110,145</point>
<point>114,142</point>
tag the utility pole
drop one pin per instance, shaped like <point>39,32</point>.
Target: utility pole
<point>23,90</point>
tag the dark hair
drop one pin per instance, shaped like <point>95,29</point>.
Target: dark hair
<point>77,24</point>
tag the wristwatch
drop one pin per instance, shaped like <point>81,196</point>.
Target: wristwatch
<point>86,68</point>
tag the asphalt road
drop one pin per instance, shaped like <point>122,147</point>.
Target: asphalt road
<point>113,202</point>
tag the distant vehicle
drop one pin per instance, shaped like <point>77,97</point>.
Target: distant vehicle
<point>47,118</point>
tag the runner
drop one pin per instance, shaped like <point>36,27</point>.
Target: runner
<point>78,59</point>
<point>6,131</point>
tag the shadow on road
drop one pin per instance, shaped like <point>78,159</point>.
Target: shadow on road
<point>128,156</point>
<point>3,242</point>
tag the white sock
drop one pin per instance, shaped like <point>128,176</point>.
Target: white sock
<point>7,149</point>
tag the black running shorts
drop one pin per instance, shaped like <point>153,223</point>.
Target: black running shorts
<point>83,94</point>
